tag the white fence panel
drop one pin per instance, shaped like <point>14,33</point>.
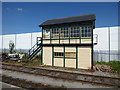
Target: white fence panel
<point>34,37</point>
<point>114,38</point>
<point>7,39</point>
<point>23,41</point>
<point>1,43</point>
<point>102,38</point>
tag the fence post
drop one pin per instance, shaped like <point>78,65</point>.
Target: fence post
<point>31,40</point>
<point>98,55</point>
<point>2,43</point>
<point>109,41</point>
<point>15,42</point>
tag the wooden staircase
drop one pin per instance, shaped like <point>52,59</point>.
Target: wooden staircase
<point>34,50</point>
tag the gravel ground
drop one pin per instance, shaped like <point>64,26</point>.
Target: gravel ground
<point>49,81</point>
<point>99,73</point>
<point>61,74</point>
<point>6,85</point>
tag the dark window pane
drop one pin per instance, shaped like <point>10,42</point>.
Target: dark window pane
<point>78,27</point>
<point>59,53</point>
<point>78,31</point>
<point>82,35</point>
<point>61,30</point>
<point>89,34</point>
<point>89,30</point>
<point>67,28</point>
<point>64,31</point>
<point>64,35</point>
<point>72,35</point>
<point>67,32</point>
<point>82,31</point>
<point>74,27</point>
<point>85,27</point>
<point>89,26</point>
<point>74,31</point>
<point>82,28</point>
<point>77,35</point>
<point>62,54</point>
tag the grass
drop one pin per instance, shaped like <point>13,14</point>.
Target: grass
<point>114,64</point>
<point>29,63</point>
<point>35,57</point>
<point>9,61</point>
<point>62,86</point>
<point>36,63</point>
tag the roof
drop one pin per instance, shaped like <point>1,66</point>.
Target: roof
<point>73,19</point>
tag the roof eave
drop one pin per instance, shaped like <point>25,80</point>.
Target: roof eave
<point>65,23</point>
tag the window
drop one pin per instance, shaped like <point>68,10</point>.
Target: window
<point>86,31</point>
<point>89,31</point>
<point>70,54</point>
<point>67,54</point>
<point>55,33</point>
<point>64,32</point>
<point>46,33</point>
<point>58,54</point>
<point>74,31</point>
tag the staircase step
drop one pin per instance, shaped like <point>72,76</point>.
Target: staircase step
<point>35,53</point>
<point>34,50</point>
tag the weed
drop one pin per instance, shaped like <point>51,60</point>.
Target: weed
<point>114,64</point>
<point>63,86</point>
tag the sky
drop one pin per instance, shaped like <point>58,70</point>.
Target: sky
<point>24,17</point>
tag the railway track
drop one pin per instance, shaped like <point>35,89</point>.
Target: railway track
<point>23,83</point>
<point>69,76</point>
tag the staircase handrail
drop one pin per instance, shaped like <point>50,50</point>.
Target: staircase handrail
<point>33,48</point>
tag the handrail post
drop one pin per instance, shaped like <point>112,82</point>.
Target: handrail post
<point>33,49</point>
<point>25,55</point>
